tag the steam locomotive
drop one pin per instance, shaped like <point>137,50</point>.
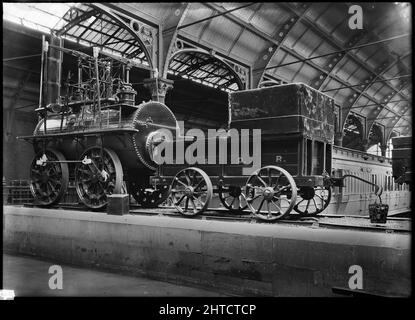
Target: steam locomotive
<point>94,133</point>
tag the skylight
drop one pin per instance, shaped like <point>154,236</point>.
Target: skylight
<point>39,16</point>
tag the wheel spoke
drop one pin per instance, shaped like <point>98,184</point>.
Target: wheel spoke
<point>232,202</point>
<point>320,198</point>
<point>279,209</point>
<point>186,204</point>
<point>194,177</point>
<point>186,175</point>
<point>278,180</point>
<point>300,202</point>
<point>261,180</point>
<point>269,211</point>
<point>282,188</point>
<point>256,197</point>
<point>260,206</point>
<point>201,203</point>
<point>51,186</point>
<point>315,204</point>
<point>180,200</point>
<point>199,184</point>
<point>182,183</point>
<point>194,205</point>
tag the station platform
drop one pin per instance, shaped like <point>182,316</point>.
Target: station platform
<point>233,257</point>
<point>29,277</point>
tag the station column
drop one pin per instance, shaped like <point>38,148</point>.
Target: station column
<point>338,138</point>
<point>158,88</point>
<point>383,148</point>
<point>365,144</point>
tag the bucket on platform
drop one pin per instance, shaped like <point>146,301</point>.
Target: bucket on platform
<point>378,212</point>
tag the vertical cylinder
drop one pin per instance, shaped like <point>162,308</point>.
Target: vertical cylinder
<point>127,74</point>
<point>53,76</point>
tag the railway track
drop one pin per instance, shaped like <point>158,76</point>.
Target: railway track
<point>394,225</point>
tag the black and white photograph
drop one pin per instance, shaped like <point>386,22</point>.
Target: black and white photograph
<point>207,150</point>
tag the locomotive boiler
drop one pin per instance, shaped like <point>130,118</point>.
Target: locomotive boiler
<point>91,131</point>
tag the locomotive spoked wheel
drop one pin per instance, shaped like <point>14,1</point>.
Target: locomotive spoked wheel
<point>271,193</point>
<point>191,191</point>
<point>314,200</point>
<point>101,177</point>
<point>232,198</point>
<point>149,197</point>
<point>49,180</point>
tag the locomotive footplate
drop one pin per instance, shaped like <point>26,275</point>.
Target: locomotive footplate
<point>302,181</point>
<point>79,132</point>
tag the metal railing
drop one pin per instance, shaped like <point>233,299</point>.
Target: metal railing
<point>18,192</point>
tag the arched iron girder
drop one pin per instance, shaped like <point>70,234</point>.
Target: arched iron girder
<point>344,111</point>
<point>239,81</point>
<point>389,129</point>
<point>243,29</point>
<point>352,98</point>
<point>336,59</point>
<point>382,69</point>
<point>266,56</point>
<point>264,36</point>
<point>332,42</point>
<point>197,66</point>
<point>98,8</point>
<point>169,36</point>
<point>243,24</point>
<point>78,19</point>
<point>376,112</point>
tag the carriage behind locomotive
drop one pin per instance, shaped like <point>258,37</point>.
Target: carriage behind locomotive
<point>297,132</point>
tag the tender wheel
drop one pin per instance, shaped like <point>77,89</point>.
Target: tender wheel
<point>98,176</point>
<point>48,180</point>
<point>271,193</point>
<point>314,200</point>
<point>232,198</point>
<point>149,197</point>
<point>191,191</point>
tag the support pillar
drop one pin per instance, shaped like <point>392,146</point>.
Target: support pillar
<point>383,148</point>
<point>158,88</point>
<point>365,144</point>
<point>338,138</point>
